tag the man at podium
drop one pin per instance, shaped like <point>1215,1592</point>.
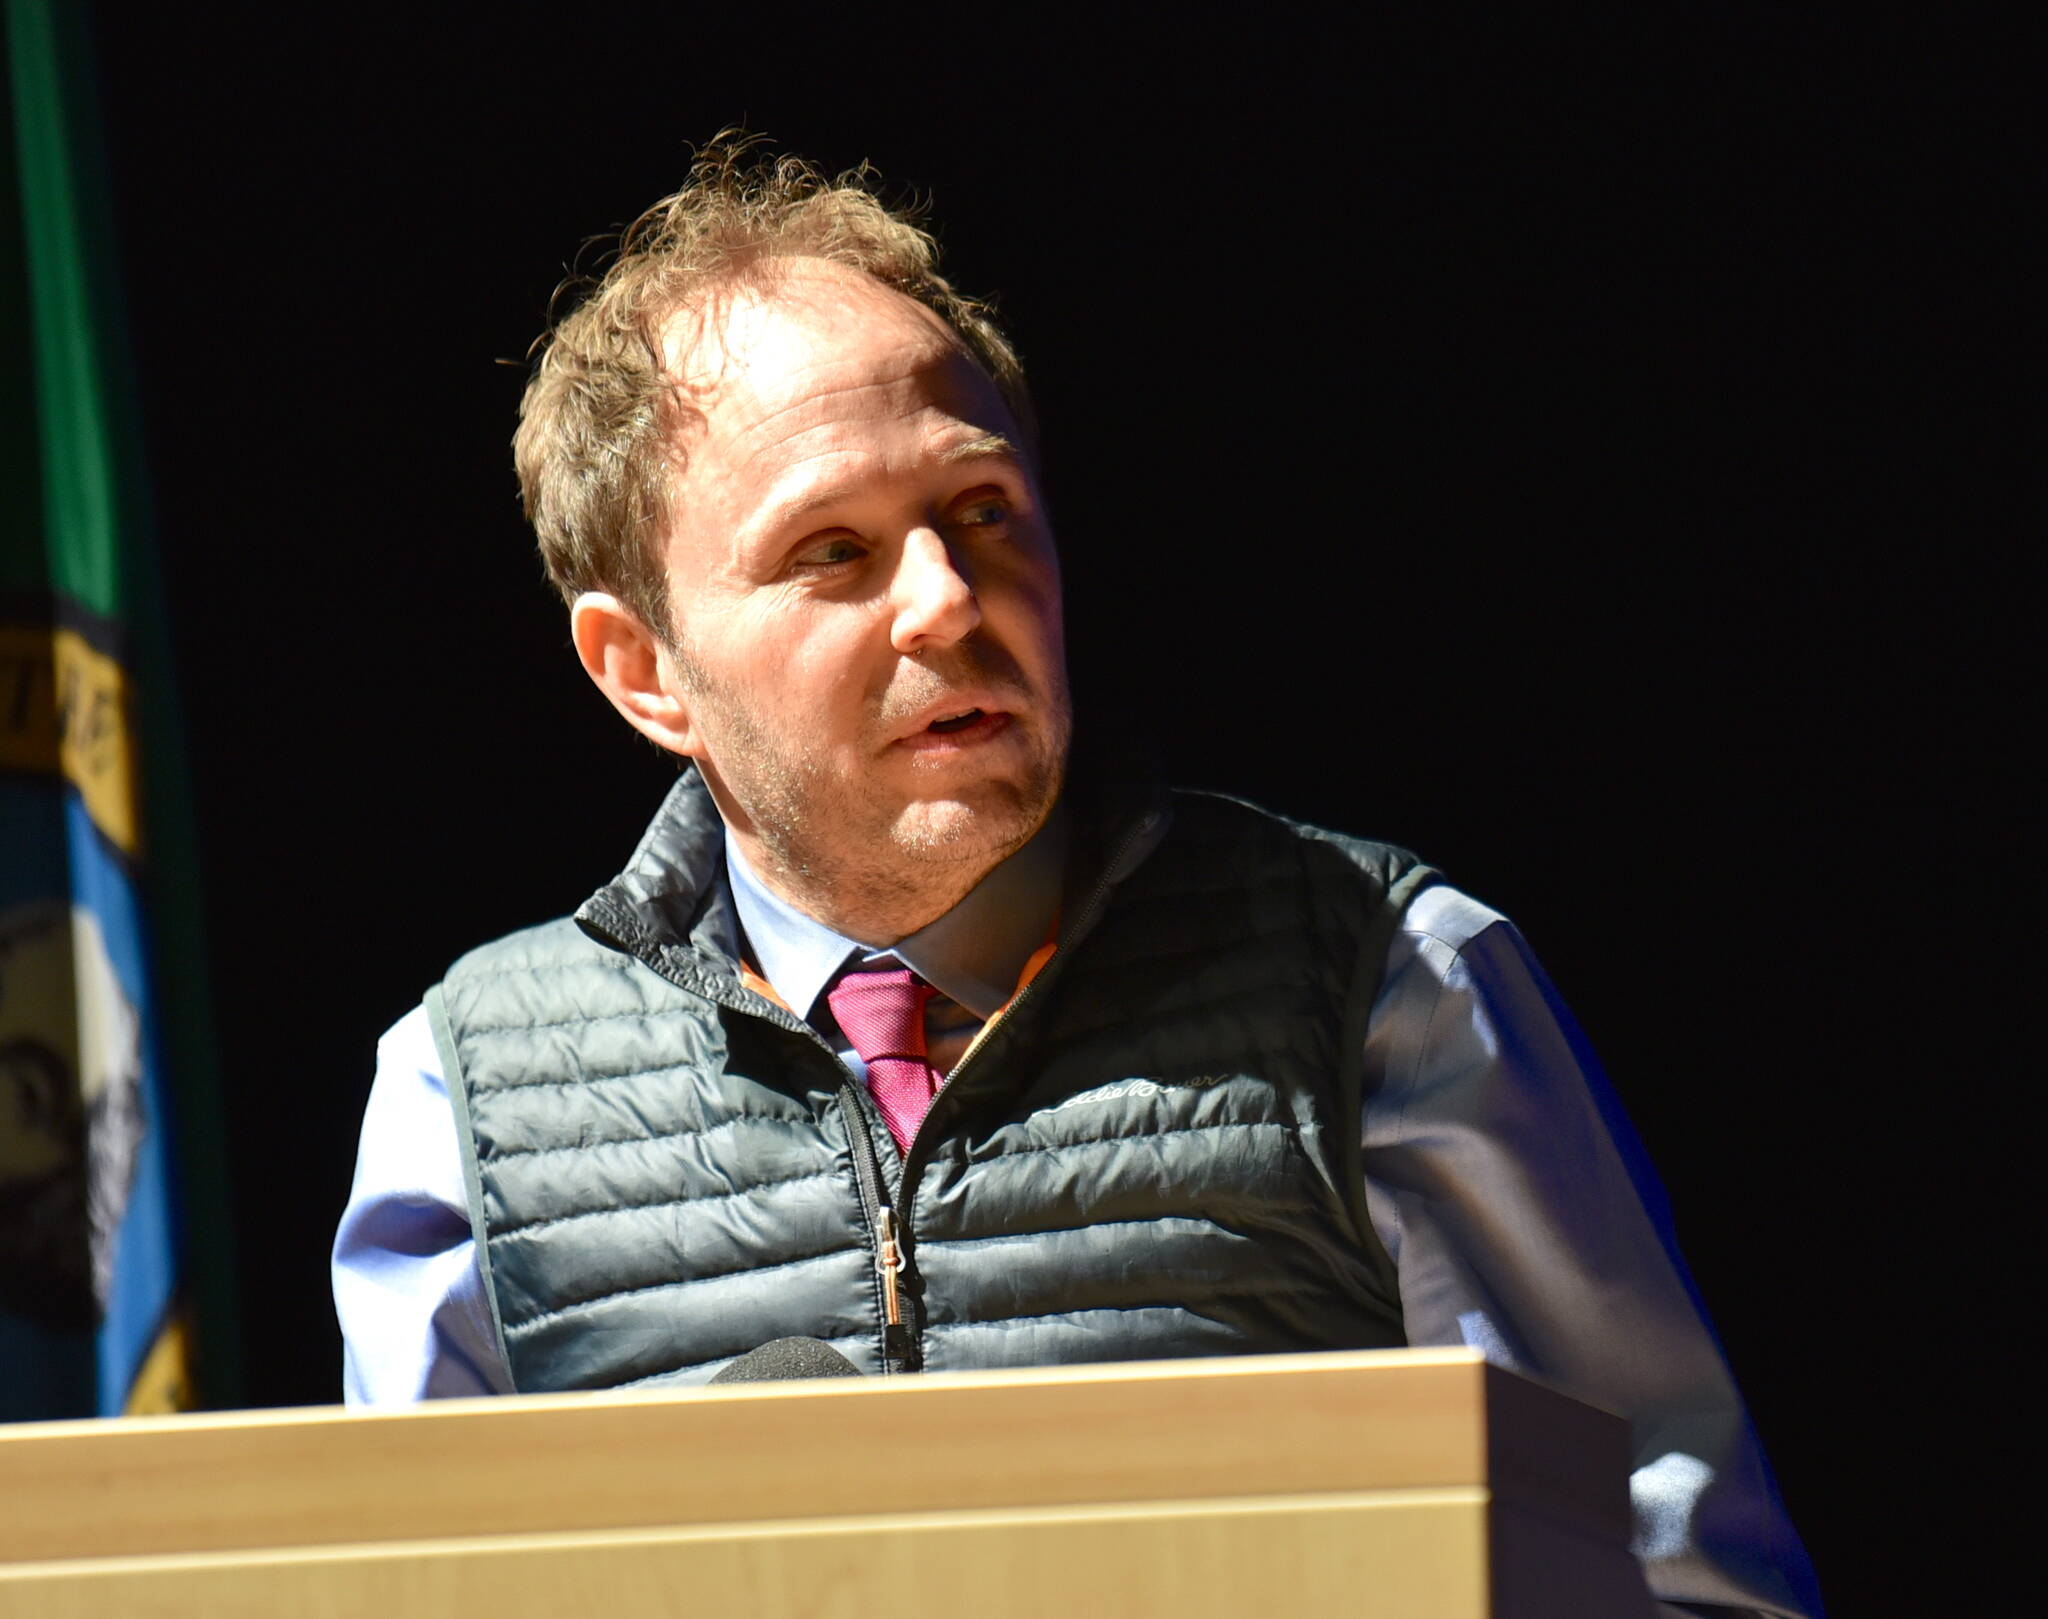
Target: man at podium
<point>913,1026</point>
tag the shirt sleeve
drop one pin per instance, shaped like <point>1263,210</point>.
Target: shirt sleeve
<point>414,1321</point>
<point>1525,1221</point>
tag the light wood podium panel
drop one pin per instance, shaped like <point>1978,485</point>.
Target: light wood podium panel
<point>1399,1484</point>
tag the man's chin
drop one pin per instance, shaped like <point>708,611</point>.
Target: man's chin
<point>985,826</point>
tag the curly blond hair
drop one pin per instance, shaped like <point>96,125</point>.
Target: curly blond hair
<point>596,450</point>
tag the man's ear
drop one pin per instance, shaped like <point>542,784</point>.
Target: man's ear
<point>632,668</point>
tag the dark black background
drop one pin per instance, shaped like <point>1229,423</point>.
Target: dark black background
<point>1580,451</point>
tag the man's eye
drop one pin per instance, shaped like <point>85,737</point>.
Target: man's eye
<point>832,552</point>
<point>984,513</point>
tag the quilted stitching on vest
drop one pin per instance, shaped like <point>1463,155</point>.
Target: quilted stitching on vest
<point>1154,1155</point>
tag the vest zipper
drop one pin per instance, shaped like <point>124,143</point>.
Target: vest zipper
<point>890,1222</point>
<point>899,1343</point>
<point>889,1260</point>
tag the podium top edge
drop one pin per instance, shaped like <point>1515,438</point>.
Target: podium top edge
<point>1385,1362</point>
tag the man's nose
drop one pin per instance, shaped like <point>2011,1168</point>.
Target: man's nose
<point>934,602</point>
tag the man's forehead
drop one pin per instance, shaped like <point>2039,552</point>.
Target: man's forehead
<point>799,319</point>
<point>801,385</point>
<point>778,369</point>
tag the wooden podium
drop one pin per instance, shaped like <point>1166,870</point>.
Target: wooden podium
<point>1406,1484</point>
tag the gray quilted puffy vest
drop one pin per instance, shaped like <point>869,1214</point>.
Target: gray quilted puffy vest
<point>1153,1153</point>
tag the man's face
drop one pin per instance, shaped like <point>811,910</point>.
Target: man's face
<point>865,595</point>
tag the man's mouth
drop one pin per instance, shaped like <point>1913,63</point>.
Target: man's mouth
<point>951,730</point>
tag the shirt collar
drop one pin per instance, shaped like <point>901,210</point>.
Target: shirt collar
<point>974,953</point>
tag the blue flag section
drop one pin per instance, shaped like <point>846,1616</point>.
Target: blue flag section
<point>93,1316</point>
<point>87,1240</point>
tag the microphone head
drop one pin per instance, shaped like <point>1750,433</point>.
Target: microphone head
<point>785,1358</point>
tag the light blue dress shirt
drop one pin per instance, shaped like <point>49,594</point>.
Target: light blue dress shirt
<point>1501,1175</point>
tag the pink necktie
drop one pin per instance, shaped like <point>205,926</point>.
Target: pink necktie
<point>882,1013</point>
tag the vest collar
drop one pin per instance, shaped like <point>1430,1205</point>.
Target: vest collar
<point>669,894</point>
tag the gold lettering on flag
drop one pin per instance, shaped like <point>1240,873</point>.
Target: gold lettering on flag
<point>64,708</point>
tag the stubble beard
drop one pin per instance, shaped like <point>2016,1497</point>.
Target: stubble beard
<point>857,856</point>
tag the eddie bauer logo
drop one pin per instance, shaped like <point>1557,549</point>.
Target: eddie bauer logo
<point>1122,1088</point>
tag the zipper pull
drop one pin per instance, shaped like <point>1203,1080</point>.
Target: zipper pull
<point>889,1261</point>
<point>899,1343</point>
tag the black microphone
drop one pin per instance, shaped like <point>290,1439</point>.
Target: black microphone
<point>788,1357</point>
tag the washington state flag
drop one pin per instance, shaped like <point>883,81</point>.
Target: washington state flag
<point>95,876</point>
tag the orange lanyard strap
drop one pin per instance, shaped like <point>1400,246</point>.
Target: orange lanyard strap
<point>1032,968</point>
<point>761,987</point>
